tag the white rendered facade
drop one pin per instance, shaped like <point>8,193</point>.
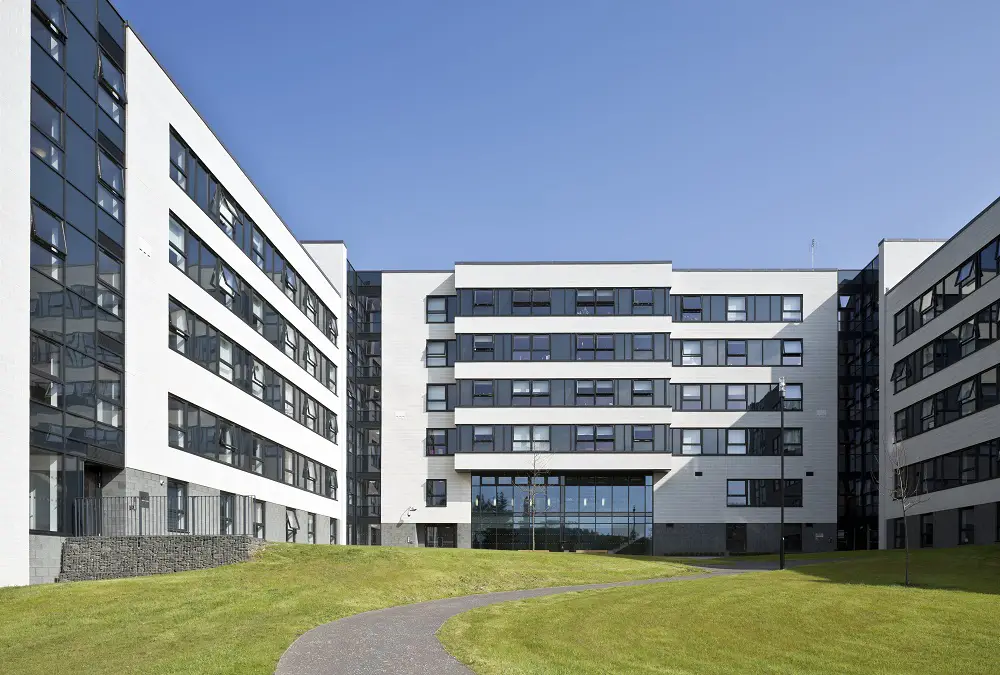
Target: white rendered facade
<point>939,389</point>
<point>689,512</point>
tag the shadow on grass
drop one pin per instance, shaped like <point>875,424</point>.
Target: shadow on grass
<point>971,569</point>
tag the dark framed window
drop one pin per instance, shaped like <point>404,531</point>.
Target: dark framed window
<point>691,353</point>
<point>736,352</point>
<point>531,348</point>
<point>333,530</point>
<point>736,397</point>
<point>642,301</point>
<point>482,393</point>
<point>310,528</point>
<point>530,393</point>
<point>966,526</point>
<point>595,392</point>
<point>793,397</point>
<point>437,492</point>
<point>642,438</point>
<point>736,493</point>
<point>437,309</point>
<point>177,494</point>
<point>791,308</point>
<point>595,347</point>
<point>898,533</point>
<point>793,441</point>
<point>291,525</point>
<point>642,347</point>
<point>258,519</point>
<point>691,308</point>
<point>483,302</point>
<point>531,438</point>
<point>642,392</point>
<point>691,397</point>
<point>437,442</point>
<point>927,530</point>
<point>482,439</point>
<point>531,301</point>
<point>227,511</point>
<point>736,441</point>
<point>736,308</point>
<point>437,398</point>
<point>438,354</point>
<point>791,352</point>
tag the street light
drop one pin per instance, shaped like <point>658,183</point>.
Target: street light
<point>781,451</point>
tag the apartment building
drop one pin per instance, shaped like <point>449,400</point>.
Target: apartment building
<point>179,366</point>
<point>177,362</point>
<point>626,406</point>
<point>939,412</point>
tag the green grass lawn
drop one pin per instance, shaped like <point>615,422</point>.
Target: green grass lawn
<point>845,617</point>
<point>240,618</point>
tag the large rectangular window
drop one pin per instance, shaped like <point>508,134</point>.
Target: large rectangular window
<point>763,492</point>
<point>437,493</point>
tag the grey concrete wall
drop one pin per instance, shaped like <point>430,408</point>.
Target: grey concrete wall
<point>274,522</point>
<point>44,558</point>
<point>401,534</point>
<point>87,558</point>
<point>985,519</point>
<point>681,538</point>
<point>945,528</point>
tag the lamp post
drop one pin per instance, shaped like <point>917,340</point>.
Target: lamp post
<point>781,451</point>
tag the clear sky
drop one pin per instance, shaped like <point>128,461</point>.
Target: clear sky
<point>709,133</point>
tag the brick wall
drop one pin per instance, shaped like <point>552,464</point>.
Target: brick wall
<point>87,558</point>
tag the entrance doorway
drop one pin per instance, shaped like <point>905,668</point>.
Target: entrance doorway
<point>736,538</point>
<point>439,536</point>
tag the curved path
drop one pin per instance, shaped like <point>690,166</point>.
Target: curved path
<point>402,640</point>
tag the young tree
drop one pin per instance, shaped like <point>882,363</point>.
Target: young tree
<point>902,486</point>
<point>536,490</point>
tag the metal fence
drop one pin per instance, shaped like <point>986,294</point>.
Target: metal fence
<point>160,515</point>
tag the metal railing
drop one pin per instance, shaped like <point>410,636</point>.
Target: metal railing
<point>161,515</point>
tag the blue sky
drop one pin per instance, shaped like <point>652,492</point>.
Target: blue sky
<point>712,134</point>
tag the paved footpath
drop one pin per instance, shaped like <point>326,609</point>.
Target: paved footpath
<point>403,640</point>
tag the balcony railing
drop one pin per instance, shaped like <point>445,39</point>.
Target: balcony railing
<point>161,515</point>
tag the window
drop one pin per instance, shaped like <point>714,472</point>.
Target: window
<point>257,248</point>
<point>691,397</point>
<point>595,347</point>
<point>333,530</point>
<point>437,354</point>
<point>642,392</point>
<point>257,313</point>
<point>176,241</point>
<point>331,483</point>
<point>178,153</point>
<point>642,301</point>
<point>257,457</point>
<point>176,424</point>
<point>927,409</point>
<point>736,493</point>
<point>332,428</point>
<point>531,348</point>
<point>47,151</point>
<point>600,438</point>
<point>482,393</point>
<point>691,308</point>
<point>527,302</point>
<point>311,528</point>
<point>736,352</point>
<point>966,273</point>
<point>901,371</point>
<point>310,359</point>
<point>967,397</point>
<point>928,302</point>
<point>46,118</point>
<point>291,525</point>
<point>310,306</point>
<point>179,330</point>
<point>437,309</point>
<point>590,302</point>
<point>898,533</point>
<point>793,397</point>
<point>642,438</point>
<point>531,439</point>
<point>966,526</point>
<point>793,441</point>
<point>257,379</point>
<point>258,519</point>
<point>482,439</point>
<point>176,506</point>
<point>437,492</point>
<point>55,14</point>
<point>482,302</point>
<point>736,308</point>
<point>530,392</point>
<point>47,229</point>
<point>437,442</point>
<point>736,397</point>
<point>109,203</point>
<point>791,352</point>
<point>110,173</point>
<point>309,474</point>
<point>791,308</point>
<point>927,530</point>
<point>225,358</point>
<point>691,353</point>
<point>111,77</point>
<point>690,441</point>
<point>288,467</point>
<point>482,347</point>
<point>736,441</point>
<point>642,347</point>
<point>291,282</point>
<point>591,392</point>
<point>331,329</point>
<point>291,342</point>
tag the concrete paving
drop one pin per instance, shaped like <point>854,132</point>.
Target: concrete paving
<point>403,640</point>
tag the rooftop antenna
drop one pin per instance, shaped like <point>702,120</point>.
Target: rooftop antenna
<point>812,254</point>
